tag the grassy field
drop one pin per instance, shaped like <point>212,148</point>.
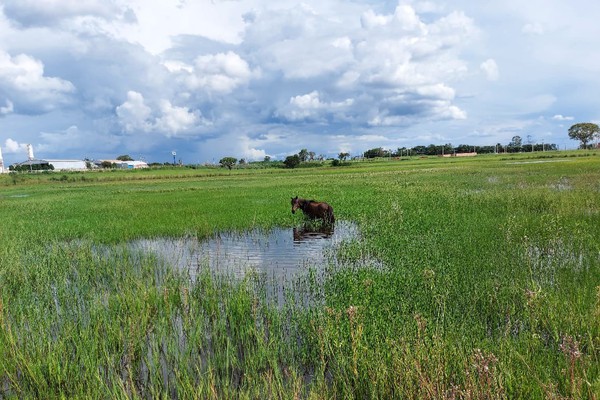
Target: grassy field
<point>488,284</point>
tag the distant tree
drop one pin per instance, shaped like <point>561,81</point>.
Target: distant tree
<point>125,157</point>
<point>447,148</point>
<point>401,151</point>
<point>342,156</point>
<point>292,161</point>
<point>311,155</point>
<point>515,144</point>
<point>419,150</point>
<point>377,152</point>
<point>584,132</point>
<point>107,164</point>
<point>267,159</point>
<point>242,161</point>
<point>485,149</point>
<point>433,150</point>
<point>464,148</point>
<point>303,155</point>
<point>228,162</point>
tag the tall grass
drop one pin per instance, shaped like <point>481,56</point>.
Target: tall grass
<point>487,285</point>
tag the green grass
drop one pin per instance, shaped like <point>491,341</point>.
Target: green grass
<point>490,285</point>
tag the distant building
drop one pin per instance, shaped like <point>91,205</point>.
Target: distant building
<point>34,164</point>
<point>56,165</point>
<point>122,164</point>
<point>132,164</point>
<point>68,165</point>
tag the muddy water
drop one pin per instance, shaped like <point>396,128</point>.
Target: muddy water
<point>279,253</point>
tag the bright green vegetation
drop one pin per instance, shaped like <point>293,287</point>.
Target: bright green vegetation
<point>490,286</point>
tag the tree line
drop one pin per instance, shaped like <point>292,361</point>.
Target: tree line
<point>583,132</point>
<point>515,146</point>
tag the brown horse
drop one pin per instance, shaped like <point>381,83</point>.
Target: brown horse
<point>314,209</point>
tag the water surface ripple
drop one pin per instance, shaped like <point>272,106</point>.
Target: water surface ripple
<point>278,253</point>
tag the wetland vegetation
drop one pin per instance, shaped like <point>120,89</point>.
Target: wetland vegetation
<point>486,285</point>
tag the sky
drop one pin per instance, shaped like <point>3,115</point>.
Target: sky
<point>209,79</point>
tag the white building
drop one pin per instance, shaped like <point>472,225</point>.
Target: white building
<point>68,165</point>
<point>44,165</point>
<point>57,165</point>
<point>122,164</point>
<point>133,164</point>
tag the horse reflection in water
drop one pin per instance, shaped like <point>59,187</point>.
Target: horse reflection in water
<point>308,232</point>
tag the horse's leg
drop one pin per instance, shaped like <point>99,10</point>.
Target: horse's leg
<point>330,216</point>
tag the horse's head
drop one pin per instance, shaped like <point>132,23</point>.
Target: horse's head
<point>295,204</point>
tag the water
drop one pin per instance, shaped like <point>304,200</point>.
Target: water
<point>279,253</point>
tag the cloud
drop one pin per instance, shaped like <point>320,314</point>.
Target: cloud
<point>299,42</point>
<point>219,73</point>
<point>389,70</point>
<point>310,107</point>
<point>135,116</point>
<point>31,13</point>
<point>22,78</point>
<point>533,29</point>
<point>9,108</point>
<point>249,151</point>
<point>175,119</point>
<point>258,77</point>
<point>12,146</point>
<point>559,117</point>
<point>307,101</point>
<point>490,69</point>
<point>404,18</point>
<point>68,139</point>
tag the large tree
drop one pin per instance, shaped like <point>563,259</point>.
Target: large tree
<point>292,161</point>
<point>303,155</point>
<point>125,157</point>
<point>228,162</point>
<point>342,156</point>
<point>584,132</point>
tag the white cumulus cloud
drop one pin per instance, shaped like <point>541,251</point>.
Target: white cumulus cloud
<point>559,117</point>
<point>12,146</point>
<point>8,108</point>
<point>310,107</point>
<point>219,73</point>
<point>175,119</point>
<point>133,114</point>
<point>22,78</point>
<point>490,69</point>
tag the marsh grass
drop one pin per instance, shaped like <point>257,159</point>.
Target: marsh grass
<point>487,285</point>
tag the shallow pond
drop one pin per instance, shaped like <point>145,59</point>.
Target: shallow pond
<point>279,253</point>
